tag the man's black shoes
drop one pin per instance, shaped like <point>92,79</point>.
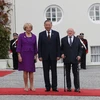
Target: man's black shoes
<point>47,90</point>
<point>55,90</point>
<point>77,90</point>
<point>69,90</point>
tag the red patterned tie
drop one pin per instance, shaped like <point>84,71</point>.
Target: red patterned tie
<point>48,35</point>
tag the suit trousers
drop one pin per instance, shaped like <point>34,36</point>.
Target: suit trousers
<point>83,60</point>
<point>75,74</point>
<point>47,65</point>
<point>15,60</point>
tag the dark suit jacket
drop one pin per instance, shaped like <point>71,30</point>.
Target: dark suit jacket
<point>50,47</point>
<point>71,52</point>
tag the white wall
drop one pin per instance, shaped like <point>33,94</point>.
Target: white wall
<point>75,16</point>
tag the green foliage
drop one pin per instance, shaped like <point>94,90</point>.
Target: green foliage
<point>4,42</point>
<point>4,29</point>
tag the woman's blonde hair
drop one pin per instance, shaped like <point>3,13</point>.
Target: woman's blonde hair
<point>27,25</point>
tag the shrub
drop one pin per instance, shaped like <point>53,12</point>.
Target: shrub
<point>5,30</point>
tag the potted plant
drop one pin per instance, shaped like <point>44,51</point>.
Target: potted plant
<point>5,32</point>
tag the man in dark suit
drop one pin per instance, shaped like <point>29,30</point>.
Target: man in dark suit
<point>49,53</point>
<point>71,54</point>
<point>13,46</point>
<point>84,46</point>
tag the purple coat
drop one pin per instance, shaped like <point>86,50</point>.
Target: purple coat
<point>27,47</point>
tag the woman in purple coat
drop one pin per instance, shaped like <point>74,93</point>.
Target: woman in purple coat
<point>27,55</point>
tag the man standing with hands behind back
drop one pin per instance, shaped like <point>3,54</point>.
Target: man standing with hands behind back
<point>49,53</point>
<point>71,54</point>
<point>13,46</point>
<point>84,49</point>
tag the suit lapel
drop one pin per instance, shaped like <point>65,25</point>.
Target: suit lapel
<point>45,35</point>
<point>67,41</point>
<point>74,40</point>
<point>52,34</point>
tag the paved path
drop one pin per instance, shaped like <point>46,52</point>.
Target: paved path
<point>89,78</point>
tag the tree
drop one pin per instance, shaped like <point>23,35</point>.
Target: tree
<point>5,30</point>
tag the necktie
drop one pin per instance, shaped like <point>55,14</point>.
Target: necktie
<point>70,38</point>
<point>48,35</point>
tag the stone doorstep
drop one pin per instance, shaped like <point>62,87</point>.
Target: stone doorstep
<point>5,63</point>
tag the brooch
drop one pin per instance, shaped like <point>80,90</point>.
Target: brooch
<point>24,36</point>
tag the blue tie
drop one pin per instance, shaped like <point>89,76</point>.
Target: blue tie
<point>70,41</point>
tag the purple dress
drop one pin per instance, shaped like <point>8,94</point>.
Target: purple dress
<point>27,47</point>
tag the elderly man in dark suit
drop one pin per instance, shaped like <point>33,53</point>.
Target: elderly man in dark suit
<point>49,53</point>
<point>71,54</point>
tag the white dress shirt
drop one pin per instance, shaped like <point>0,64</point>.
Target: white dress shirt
<point>72,38</point>
<point>47,33</point>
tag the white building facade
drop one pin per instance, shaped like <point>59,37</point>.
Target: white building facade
<point>81,15</point>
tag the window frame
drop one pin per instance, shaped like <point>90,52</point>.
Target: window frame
<point>94,11</point>
<point>56,13</point>
<point>95,54</point>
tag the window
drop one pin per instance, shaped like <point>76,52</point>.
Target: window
<point>94,13</point>
<point>95,53</point>
<point>54,13</point>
